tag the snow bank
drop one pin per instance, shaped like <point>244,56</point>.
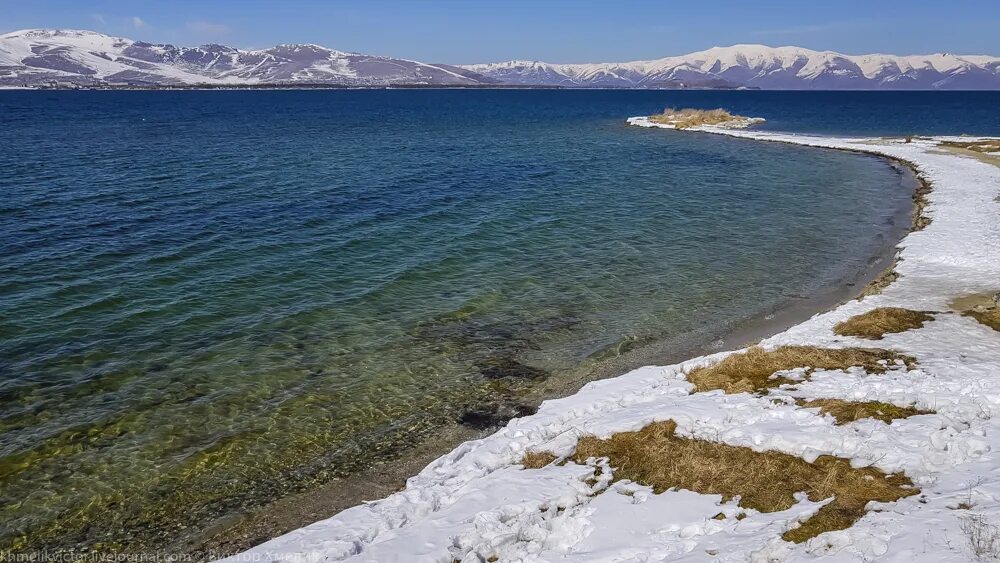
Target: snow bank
<point>476,502</point>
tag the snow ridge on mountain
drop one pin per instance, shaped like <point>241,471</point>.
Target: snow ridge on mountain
<point>45,57</point>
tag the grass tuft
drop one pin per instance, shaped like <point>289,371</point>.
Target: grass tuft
<point>751,371</point>
<point>849,411</point>
<point>766,481</point>
<point>876,323</point>
<point>537,460</point>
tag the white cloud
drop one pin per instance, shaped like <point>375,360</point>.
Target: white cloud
<point>98,19</point>
<point>207,28</point>
<point>138,23</point>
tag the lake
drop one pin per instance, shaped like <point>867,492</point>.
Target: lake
<point>212,300</point>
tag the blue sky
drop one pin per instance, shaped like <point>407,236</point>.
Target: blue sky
<point>468,31</point>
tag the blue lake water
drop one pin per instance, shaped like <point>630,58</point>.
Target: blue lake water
<point>209,300</point>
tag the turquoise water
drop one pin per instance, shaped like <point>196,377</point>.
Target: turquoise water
<point>212,299</point>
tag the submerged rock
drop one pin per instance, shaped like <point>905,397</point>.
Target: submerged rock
<point>493,415</point>
<point>623,346</point>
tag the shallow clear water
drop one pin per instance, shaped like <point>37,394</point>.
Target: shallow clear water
<point>210,299</point>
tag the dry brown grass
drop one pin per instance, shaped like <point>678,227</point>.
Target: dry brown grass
<point>537,460</point>
<point>989,317</point>
<point>876,323</point>
<point>983,151</point>
<point>978,301</point>
<point>751,371</point>
<point>983,307</point>
<point>764,481</point>
<point>685,118</point>
<point>849,411</point>
<point>988,146</point>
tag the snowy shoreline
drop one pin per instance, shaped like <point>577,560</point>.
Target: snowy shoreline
<point>477,502</point>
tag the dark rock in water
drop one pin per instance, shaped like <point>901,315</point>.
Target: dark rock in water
<point>494,415</point>
<point>471,333</point>
<point>506,367</point>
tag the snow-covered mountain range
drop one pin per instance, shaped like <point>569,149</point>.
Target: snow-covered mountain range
<point>759,66</point>
<point>43,57</point>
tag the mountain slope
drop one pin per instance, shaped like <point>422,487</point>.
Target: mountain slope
<point>759,66</point>
<point>37,57</point>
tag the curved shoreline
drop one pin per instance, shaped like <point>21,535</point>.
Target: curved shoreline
<point>946,453</point>
<point>226,536</point>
